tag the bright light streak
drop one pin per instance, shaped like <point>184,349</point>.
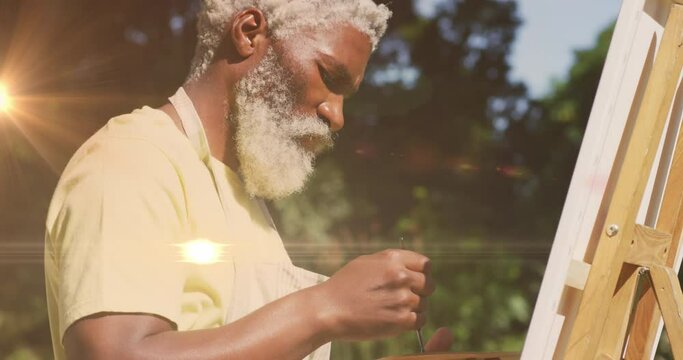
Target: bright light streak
<point>201,251</point>
<point>5,99</point>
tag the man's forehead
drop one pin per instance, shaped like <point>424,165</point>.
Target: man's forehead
<point>331,40</point>
<point>336,39</point>
<point>345,47</point>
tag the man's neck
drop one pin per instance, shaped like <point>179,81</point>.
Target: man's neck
<point>209,96</point>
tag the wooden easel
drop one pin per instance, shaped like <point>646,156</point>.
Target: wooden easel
<point>627,252</point>
<point>630,283</point>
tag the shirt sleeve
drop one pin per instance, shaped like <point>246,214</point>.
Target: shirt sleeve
<point>114,237</point>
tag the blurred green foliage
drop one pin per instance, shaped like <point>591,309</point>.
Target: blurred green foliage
<point>440,148</point>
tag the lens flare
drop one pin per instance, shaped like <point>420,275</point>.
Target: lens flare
<point>202,251</point>
<point>5,100</point>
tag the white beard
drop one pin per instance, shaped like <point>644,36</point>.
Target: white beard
<point>273,163</point>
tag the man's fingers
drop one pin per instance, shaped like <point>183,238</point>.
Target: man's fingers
<point>422,305</point>
<point>410,259</point>
<point>442,340</point>
<point>414,303</point>
<point>421,284</point>
<point>411,320</point>
<point>417,262</point>
<point>420,320</point>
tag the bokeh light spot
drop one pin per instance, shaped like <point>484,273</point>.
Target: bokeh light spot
<point>202,251</point>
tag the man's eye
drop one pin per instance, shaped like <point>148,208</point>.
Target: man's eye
<point>327,79</point>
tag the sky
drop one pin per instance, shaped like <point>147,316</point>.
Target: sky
<point>551,31</point>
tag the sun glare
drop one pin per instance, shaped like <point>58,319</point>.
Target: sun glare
<point>201,251</point>
<point>5,100</point>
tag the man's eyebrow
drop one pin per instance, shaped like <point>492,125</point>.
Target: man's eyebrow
<point>340,74</point>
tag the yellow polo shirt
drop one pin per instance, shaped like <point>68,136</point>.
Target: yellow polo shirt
<point>128,197</point>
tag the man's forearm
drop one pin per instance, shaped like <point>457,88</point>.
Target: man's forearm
<point>289,328</point>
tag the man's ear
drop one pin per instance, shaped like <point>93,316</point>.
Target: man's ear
<point>249,30</point>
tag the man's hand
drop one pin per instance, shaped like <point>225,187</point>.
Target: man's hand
<point>441,341</point>
<point>376,296</point>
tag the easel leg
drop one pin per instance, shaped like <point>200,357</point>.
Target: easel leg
<point>619,315</point>
<point>670,298</point>
<point>645,324</point>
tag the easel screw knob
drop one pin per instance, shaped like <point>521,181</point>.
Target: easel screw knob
<point>612,230</point>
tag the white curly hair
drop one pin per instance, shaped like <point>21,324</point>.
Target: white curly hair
<point>285,17</point>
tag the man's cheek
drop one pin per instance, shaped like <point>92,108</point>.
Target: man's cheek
<point>304,91</point>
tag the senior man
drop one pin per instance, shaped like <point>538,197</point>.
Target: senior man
<point>264,97</point>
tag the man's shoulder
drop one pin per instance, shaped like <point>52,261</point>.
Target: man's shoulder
<point>133,135</point>
<point>143,147</point>
<point>145,125</point>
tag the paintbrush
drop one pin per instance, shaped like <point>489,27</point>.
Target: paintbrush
<point>418,332</point>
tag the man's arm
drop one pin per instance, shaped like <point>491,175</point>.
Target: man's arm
<point>289,328</point>
<point>373,296</point>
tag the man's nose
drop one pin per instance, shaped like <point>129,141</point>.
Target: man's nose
<point>332,111</point>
